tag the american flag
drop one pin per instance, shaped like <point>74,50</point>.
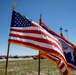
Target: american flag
<point>26,32</point>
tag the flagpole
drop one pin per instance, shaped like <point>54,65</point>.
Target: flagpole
<point>39,51</point>
<point>61,31</point>
<point>7,59</point>
<point>39,64</point>
<point>66,33</point>
<point>6,66</point>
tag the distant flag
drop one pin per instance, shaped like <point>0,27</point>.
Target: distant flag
<point>68,48</point>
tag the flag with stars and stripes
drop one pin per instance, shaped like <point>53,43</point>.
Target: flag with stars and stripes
<point>26,32</point>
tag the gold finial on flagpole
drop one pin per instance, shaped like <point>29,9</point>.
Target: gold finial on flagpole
<point>14,4</point>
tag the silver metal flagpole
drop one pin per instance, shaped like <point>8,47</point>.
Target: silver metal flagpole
<point>13,4</point>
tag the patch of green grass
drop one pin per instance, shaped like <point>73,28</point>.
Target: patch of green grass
<point>30,67</point>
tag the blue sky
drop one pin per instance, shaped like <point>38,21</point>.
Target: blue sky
<point>55,14</point>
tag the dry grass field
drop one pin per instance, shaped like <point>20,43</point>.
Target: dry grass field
<point>30,67</point>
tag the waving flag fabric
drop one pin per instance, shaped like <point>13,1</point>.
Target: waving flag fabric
<point>60,64</point>
<point>70,52</point>
<point>25,32</point>
<point>68,48</point>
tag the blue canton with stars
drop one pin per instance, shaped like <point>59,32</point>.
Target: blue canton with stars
<point>19,20</point>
